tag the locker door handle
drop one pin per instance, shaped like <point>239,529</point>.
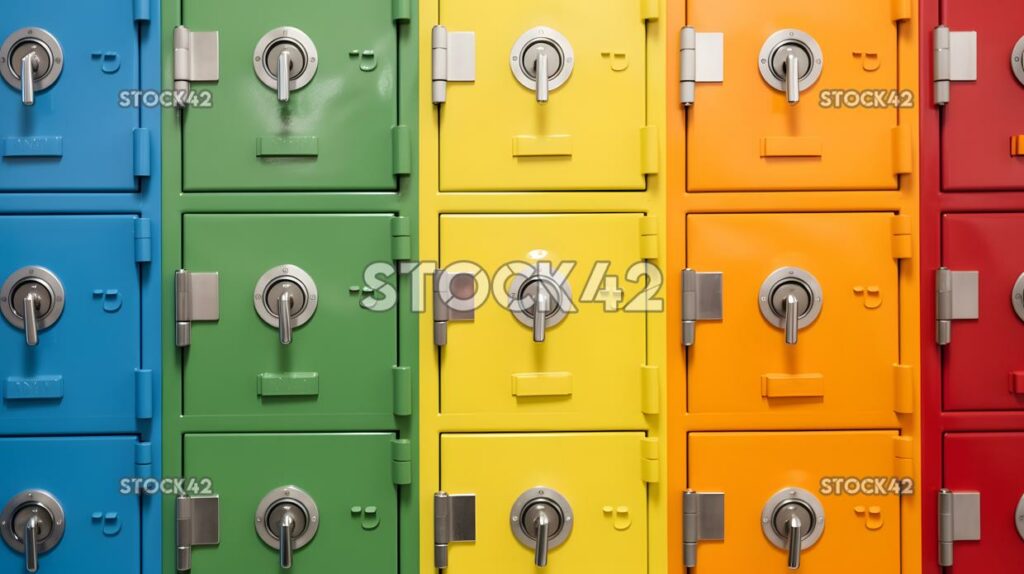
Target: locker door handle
<point>29,65</point>
<point>285,535</point>
<point>31,545</point>
<point>284,76</point>
<point>284,318</point>
<point>792,319</point>
<point>793,541</point>
<point>792,79</point>
<point>30,306</point>
<point>542,77</point>
<point>540,557</point>
<point>540,316</point>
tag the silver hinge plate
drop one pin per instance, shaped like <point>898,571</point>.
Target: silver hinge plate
<point>453,60</point>
<point>454,521</point>
<point>703,519</point>
<point>196,298</point>
<point>196,59</point>
<point>702,301</point>
<point>959,521</point>
<point>956,298</point>
<point>197,523</point>
<point>454,295</point>
<point>701,59</point>
<point>956,60</point>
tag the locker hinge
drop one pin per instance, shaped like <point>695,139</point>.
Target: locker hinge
<point>649,248</point>
<point>903,451</point>
<point>401,239</point>
<point>143,394</point>
<point>454,521</point>
<point>903,377</point>
<point>702,301</point>
<point>650,459</point>
<point>701,59</point>
<point>401,143</point>
<point>959,521</point>
<point>143,240</point>
<point>143,460</point>
<point>651,392</point>
<point>402,378</point>
<point>650,9</point>
<point>196,59</point>
<point>401,10</point>
<point>650,149</point>
<point>902,237</point>
<point>196,298</point>
<point>401,461</point>
<point>453,301</point>
<point>703,519</point>
<point>956,60</point>
<point>902,150</point>
<point>141,10</point>
<point>956,298</point>
<point>197,523</point>
<point>902,10</point>
<point>453,59</point>
<point>141,152</point>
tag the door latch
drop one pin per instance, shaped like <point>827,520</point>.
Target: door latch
<point>32,299</point>
<point>540,298</point>
<point>959,521</point>
<point>790,61</point>
<point>541,519</point>
<point>285,60</point>
<point>703,519</point>
<point>31,60</point>
<point>702,301</point>
<point>197,523</point>
<point>701,59</point>
<point>790,299</point>
<point>286,298</point>
<point>32,523</point>
<point>956,60</point>
<point>454,521</point>
<point>286,520</point>
<point>542,60</point>
<point>793,519</point>
<point>196,298</point>
<point>196,59</point>
<point>956,298</point>
<point>453,59</point>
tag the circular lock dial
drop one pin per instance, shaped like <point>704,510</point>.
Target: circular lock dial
<point>297,60</point>
<point>772,61</point>
<point>46,291</point>
<point>1017,60</point>
<point>527,50</point>
<point>303,59</point>
<point>786,504</point>
<point>47,61</point>
<point>532,53</point>
<point>39,509</point>
<point>781,55</point>
<point>527,511</point>
<point>783,283</point>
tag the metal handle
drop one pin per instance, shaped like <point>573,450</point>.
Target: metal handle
<point>28,81</point>
<point>542,77</point>
<point>284,533</point>
<point>29,306</point>
<point>284,318</point>
<point>284,76</point>
<point>31,545</point>
<point>794,540</point>
<point>792,319</point>
<point>540,315</point>
<point>540,557</point>
<point>792,79</point>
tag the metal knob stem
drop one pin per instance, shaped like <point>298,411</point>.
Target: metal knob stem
<point>285,531</point>
<point>542,77</point>
<point>29,307</point>
<point>31,545</point>
<point>540,557</point>
<point>792,79</point>
<point>29,65</point>
<point>540,315</point>
<point>284,318</point>
<point>792,319</point>
<point>794,539</point>
<point>284,75</point>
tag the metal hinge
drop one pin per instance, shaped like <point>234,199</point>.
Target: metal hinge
<point>701,59</point>
<point>453,59</point>
<point>702,301</point>
<point>703,519</point>
<point>956,60</point>
<point>401,461</point>
<point>956,298</point>
<point>454,521</point>
<point>401,239</point>
<point>196,59</point>
<point>453,301</point>
<point>197,523</point>
<point>143,236</point>
<point>196,298</point>
<point>144,460</point>
<point>959,521</point>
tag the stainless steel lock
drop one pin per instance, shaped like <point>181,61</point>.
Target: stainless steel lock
<point>286,520</point>
<point>1017,297</point>
<point>1017,60</point>
<point>791,62</point>
<point>793,520</point>
<point>286,298</point>
<point>542,60</point>
<point>288,49</point>
<point>31,60</point>
<point>32,299</point>
<point>31,524</point>
<point>541,519</point>
<point>1018,517</point>
<point>790,299</point>
<point>540,298</point>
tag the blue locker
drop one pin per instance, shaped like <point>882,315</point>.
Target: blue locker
<point>70,490</point>
<point>75,135</point>
<point>81,373</point>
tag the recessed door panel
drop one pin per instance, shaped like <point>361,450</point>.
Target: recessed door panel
<point>72,129</point>
<point>984,364</point>
<point>839,356</point>
<point>744,134</point>
<point>850,531</point>
<point>990,464</point>
<point>337,487</point>
<point>983,119</point>
<point>590,486</point>
<point>333,132</point>
<point>339,355</point>
<point>72,485</point>
<point>588,134</point>
<point>589,362</point>
<point>79,277</point>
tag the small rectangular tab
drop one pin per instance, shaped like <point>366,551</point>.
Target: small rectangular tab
<point>454,521</point>
<point>542,146</point>
<point>650,9</point>
<point>461,57</point>
<point>703,519</point>
<point>402,379</point>
<point>702,301</point>
<point>401,150</point>
<point>966,516</point>
<point>965,295</point>
<point>542,385</point>
<point>1017,146</point>
<point>783,386</point>
<point>40,146</point>
<point>287,146</point>
<point>143,240</point>
<point>902,150</point>
<point>791,147</point>
<point>709,65</point>
<point>401,10</point>
<point>141,152</point>
<point>650,150</point>
<point>650,392</point>
<point>143,394</point>
<point>198,296</point>
<point>963,56</point>
<point>34,388</point>
<point>903,389</point>
<point>288,385</point>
